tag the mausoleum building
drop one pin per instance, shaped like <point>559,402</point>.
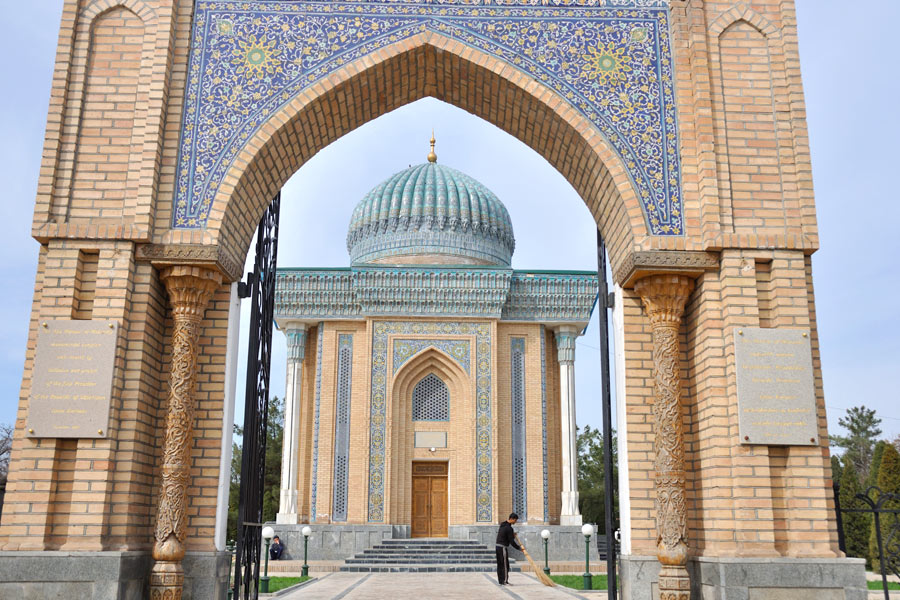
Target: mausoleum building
<point>430,386</point>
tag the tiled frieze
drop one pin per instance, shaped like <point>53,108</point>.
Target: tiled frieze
<point>613,63</point>
<point>309,294</point>
<point>382,332</point>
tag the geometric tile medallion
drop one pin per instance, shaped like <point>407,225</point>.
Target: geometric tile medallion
<point>612,62</point>
<point>378,415</point>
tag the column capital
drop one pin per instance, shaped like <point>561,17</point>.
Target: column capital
<point>664,297</point>
<point>190,289</point>
<point>565,343</point>
<point>295,333</point>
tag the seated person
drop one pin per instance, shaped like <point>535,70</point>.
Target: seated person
<point>276,549</point>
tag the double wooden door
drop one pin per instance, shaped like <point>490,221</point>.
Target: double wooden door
<point>429,499</point>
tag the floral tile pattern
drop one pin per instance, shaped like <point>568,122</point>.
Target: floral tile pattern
<point>611,61</point>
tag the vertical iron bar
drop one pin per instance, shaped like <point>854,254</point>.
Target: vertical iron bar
<point>609,490</point>
<point>842,544</point>
<point>884,580</point>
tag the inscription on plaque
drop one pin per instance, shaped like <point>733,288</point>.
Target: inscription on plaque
<point>776,393</point>
<point>72,383</point>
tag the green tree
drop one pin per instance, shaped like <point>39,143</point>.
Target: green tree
<point>591,478</point>
<point>856,525</point>
<point>875,465</point>
<point>863,428</point>
<point>836,469</point>
<point>272,479</point>
<point>888,482</point>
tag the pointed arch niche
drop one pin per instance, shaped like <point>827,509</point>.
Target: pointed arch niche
<point>460,429</point>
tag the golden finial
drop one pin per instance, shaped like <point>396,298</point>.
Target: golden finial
<point>432,157</point>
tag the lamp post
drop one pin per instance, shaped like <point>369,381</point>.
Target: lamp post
<point>587,530</point>
<point>545,534</point>
<point>268,533</point>
<point>306,532</point>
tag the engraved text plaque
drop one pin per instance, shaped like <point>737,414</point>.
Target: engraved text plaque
<point>776,393</point>
<point>72,382</point>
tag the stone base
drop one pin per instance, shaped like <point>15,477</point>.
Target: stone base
<point>566,542</point>
<point>339,542</point>
<point>333,542</point>
<point>752,578</point>
<point>105,575</point>
<point>287,519</point>
<point>571,520</point>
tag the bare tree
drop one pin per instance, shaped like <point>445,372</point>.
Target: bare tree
<point>6,438</point>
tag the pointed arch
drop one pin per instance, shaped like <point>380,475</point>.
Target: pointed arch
<point>426,64</point>
<point>461,388</point>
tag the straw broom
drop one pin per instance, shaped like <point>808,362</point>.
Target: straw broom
<point>542,577</point>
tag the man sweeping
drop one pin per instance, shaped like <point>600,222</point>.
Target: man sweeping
<point>506,537</point>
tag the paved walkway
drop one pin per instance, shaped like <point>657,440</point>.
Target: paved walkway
<point>421,586</point>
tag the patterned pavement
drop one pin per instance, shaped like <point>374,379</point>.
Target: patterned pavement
<point>419,586</point>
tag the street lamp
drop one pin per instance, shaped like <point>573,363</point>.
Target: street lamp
<point>268,533</point>
<point>546,535</point>
<point>306,532</point>
<point>587,530</point>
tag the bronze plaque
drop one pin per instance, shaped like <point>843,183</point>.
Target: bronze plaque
<point>776,392</point>
<point>72,383</point>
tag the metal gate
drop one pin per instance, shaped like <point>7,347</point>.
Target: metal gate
<point>881,505</point>
<point>260,286</point>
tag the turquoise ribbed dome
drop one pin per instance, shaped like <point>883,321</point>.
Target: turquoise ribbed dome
<point>430,214</point>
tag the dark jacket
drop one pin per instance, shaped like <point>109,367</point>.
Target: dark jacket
<point>506,536</point>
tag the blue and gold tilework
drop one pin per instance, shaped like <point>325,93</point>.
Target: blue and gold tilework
<point>611,61</point>
<point>458,350</point>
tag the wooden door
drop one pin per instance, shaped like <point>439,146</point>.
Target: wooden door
<point>429,499</point>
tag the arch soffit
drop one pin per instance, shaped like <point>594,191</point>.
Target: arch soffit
<point>239,201</point>
<point>429,360</point>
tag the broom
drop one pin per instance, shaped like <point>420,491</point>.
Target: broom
<point>542,577</point>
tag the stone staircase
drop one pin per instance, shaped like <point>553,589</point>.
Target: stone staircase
<point>425,555</point>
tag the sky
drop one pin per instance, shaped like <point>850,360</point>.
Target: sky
<point>851,84</point>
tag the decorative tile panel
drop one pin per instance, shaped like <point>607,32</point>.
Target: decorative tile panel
<point>342,427</point>
<point>378,416</point>
<point>320,334</point>
<point>517,424</point>
<point>612,62</point>
<point>458,350</point>
<point>544,422</point>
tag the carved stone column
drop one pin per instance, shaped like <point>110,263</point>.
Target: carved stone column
<point>565,348</point>
<point>664,297</point>
<point>296,350</point>
<point>190,289</point>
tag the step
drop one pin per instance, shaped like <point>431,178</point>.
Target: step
<point>466,552</point>
<point>420,560</point>
<point>425,568</point>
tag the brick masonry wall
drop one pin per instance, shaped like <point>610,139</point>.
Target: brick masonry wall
<point>748,196</point>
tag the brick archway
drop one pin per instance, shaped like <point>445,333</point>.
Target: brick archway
<point>425,65</point>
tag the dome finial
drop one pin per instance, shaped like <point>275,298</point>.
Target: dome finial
<point>432,157</point>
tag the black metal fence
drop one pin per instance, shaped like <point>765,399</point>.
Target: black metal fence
<point>884,508</point>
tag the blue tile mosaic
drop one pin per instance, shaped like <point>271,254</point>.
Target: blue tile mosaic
<point>612,62</point>
<point>382,330</point>
<point>458,350</point>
